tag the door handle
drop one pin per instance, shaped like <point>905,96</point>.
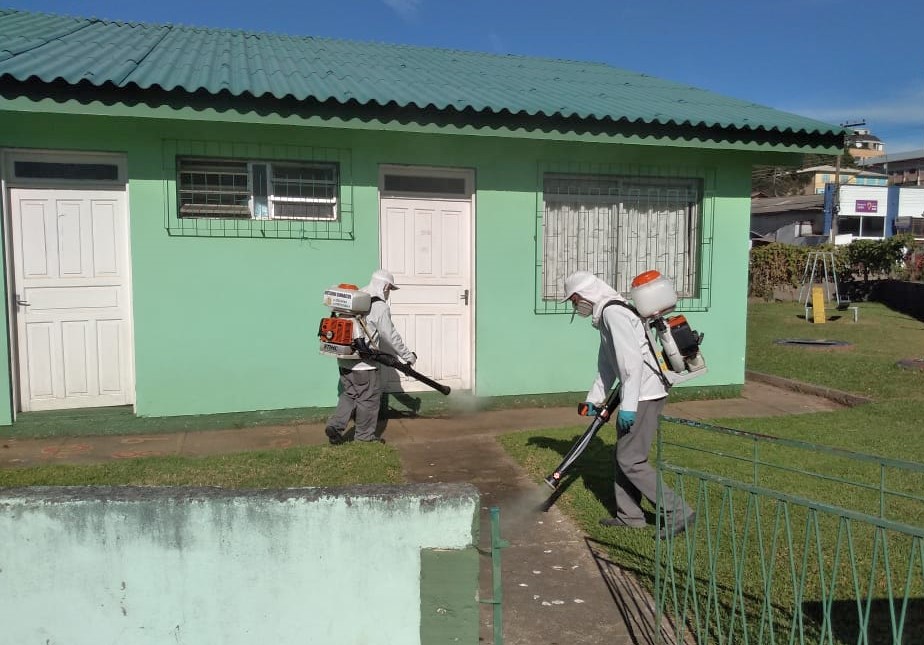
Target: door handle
<point>464,297</point>
<point>20,301</point>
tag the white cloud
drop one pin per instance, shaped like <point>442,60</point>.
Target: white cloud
<point>903,109</point>
<point>407,9</point>
<point>898,120</point>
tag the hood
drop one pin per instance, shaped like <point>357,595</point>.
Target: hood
<point>599,293</point>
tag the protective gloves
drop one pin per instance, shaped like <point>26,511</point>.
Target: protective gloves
<point>588,409</point>
<point>412,359</point>
<point>625,420</point>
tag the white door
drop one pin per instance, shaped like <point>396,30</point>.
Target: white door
<point>72,298</point>
<point>426,243</point>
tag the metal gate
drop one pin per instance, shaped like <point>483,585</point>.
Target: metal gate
<point>793,542</point>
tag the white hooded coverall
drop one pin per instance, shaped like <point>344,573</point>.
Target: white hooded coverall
<point>625,355</point>
<point>360,381</point>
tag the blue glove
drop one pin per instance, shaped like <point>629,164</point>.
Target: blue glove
<point>625,420</point>
<point>588,409</point>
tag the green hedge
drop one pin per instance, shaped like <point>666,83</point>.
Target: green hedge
<point>783,265</point>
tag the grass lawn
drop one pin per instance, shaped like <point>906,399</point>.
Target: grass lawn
<point>889,427</point>
<point>354,463</point>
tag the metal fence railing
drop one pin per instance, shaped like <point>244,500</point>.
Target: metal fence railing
<point>793,542</point>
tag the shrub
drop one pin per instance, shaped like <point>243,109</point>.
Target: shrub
<point>784,265</point>
<point>879,258</point>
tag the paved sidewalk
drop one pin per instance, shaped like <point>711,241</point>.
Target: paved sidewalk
<point>559,588</point>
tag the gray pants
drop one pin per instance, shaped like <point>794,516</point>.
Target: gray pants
<point>634,476</point>
<point>360,394</point>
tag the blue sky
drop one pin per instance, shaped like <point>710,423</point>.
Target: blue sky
<point>837,61</point>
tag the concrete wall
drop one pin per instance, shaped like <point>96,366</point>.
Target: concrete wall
<point>169,565</point>
<point>906,297</point>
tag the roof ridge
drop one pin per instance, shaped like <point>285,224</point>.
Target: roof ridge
<point>173,26</point>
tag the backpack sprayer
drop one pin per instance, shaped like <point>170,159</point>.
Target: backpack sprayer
<point>344,335</point>
<point>679,360</point>
<point>654,296</point>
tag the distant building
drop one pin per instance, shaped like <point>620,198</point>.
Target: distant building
<point>874,212</point>
<point>798,219</point>
<point>861,144</point>
<point>820,176</point>
<point>908,210</point>
<point>902,169</point>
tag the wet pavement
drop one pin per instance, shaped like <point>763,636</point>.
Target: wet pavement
<point>559,587</point>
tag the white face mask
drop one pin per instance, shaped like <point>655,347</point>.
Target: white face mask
<point>584,308</point>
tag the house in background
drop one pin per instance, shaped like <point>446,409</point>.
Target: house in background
<point>798,219</point>
<point>902,168</point>
<point>176,199</point>
<point>863,144</point>
<point>821,176</point>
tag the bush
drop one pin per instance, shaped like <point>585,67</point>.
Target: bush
<point>912,268</point>
<point>879,258</point>
<point>783,265</point>
<point>774,265</point>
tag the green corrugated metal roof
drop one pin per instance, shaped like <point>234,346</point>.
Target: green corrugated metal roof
<point>126,55</point>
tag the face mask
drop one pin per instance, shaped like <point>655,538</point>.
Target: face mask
<point>584,308</point>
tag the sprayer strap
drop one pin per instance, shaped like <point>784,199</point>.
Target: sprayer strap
<point>654,368</point>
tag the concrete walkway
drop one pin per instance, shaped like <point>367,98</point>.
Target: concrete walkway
<point>559,587</point>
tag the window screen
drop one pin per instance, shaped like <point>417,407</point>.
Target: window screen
<point>617,227</point>
<point>425,184</point>
<point>214,189</point>
<point>71,171</point>
<point>256,189</point>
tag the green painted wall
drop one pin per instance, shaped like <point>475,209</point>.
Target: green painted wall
<point>369,564</point>
<point>229,324</point>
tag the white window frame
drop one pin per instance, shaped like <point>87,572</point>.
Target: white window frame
<point>256,211</point>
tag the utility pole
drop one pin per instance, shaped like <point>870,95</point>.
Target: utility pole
<point>837,180</point>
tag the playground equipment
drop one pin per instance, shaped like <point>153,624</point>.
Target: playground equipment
<point>820,267</point>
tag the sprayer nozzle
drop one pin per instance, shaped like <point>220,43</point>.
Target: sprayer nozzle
<point>553,481</point>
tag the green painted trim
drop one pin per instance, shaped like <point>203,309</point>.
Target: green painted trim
<point>424,122</point>
<point>449,611</point>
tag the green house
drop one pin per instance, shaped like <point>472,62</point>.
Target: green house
<point>176,200</point>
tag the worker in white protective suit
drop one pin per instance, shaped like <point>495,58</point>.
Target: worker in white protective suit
<point>626,354</point>
<point>360,381</point>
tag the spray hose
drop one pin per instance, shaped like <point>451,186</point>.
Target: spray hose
<point>368,353</point>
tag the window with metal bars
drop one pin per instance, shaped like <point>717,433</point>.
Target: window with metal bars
<point>221,188</point>
<point>618,227</point>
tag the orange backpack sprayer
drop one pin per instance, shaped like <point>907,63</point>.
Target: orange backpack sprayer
<point>346,323</point>
<point>653,296</point>
<point>344,334</point>
<point>679,360</point>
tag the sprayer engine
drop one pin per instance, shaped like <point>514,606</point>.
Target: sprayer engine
<point>654,296</point>
<point>337,332</point>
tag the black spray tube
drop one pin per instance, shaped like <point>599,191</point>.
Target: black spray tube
<point>609,407</point>
<point>367,353</point>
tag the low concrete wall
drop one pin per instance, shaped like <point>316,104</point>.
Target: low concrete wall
<point>382,564</point>
<point>905,297</point>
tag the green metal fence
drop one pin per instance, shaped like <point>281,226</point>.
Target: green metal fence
<point>792,543</point>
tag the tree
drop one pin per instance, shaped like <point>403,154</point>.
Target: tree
<point>776,181</point>
<point>848,160</point>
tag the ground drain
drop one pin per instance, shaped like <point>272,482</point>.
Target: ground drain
<point>813,343</point>
<point>912,364</point>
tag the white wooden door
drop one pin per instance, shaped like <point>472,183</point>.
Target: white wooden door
<point>426,243</point>
<point>72,298</point>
